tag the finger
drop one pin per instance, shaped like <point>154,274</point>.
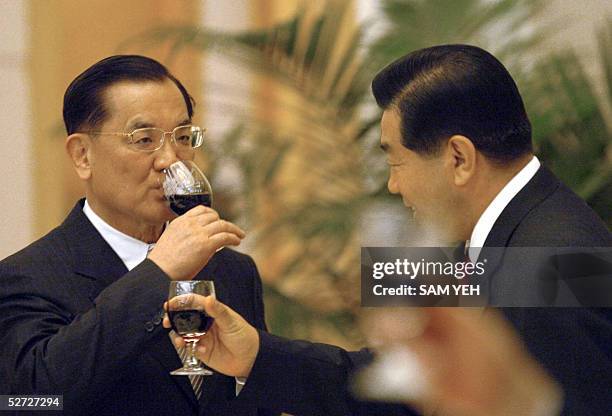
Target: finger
<point>225,239</point>
<point>199,210</point>
<point>177,340</point>
<point>490,329</point>
<point>399,375</point>
<point>385,326</point>
<point>225,317</point>
<point>186,301</point>
<point>207,217</point>
<point>202,219</point>
<point>222,226</point>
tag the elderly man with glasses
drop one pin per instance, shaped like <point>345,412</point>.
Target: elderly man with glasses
<point>80,309</point>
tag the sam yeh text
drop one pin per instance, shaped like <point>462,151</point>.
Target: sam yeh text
<point>427,290</point>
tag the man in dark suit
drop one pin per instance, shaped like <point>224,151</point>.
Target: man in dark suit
<point>80,309</point>
<point>458,145</point>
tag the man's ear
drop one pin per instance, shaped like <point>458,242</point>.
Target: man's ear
<point>78,147</point>
<point>462,156</point>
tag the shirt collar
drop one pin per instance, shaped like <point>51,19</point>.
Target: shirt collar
<point>493,211</point>
<point>130,250</point>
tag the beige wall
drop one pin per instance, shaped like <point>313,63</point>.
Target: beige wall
<point>16,137</point>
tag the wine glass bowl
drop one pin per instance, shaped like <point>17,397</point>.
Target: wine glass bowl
<point>185,187</point>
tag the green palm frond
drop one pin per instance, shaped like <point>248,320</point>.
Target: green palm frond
<point>570,129</point>
<point>498,26</point>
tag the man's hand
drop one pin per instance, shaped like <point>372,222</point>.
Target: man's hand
<point>231,344</point>
<point>456,361</point>
<point>189,241</point>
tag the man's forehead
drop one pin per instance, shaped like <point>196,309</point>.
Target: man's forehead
<point>128,92</point>
<point>136,102</point>
<point>389,129</point>
<point>141,121</point>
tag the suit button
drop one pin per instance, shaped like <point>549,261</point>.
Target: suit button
<point>149,326</point>
<point>157,318</point>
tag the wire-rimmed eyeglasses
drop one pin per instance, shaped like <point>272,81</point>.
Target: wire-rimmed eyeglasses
<point>150,139</point>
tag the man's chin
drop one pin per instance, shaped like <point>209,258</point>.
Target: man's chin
<point>162,214</point>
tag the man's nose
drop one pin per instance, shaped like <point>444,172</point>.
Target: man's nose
<point>166,155</point>
<point>392,185</point>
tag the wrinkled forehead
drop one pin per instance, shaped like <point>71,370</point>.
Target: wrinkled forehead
<point>145,103</point>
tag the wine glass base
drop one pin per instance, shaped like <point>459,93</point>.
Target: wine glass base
<point>187,371</point>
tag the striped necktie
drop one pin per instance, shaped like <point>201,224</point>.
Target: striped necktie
<point>196,379</point>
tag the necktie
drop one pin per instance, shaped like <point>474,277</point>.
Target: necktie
<point>196,379</point>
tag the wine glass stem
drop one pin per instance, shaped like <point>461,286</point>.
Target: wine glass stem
<point>191,360</point>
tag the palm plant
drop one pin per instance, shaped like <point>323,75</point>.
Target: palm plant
<point>501,26</point>
<point>572,133</point>
<point>305,149</point>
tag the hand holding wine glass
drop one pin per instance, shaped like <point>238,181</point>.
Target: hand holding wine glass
<point>188,322</point>
<point>189,241</point>
<point>231,345</point>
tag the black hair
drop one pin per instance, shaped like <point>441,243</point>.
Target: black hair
<point>455,89</point>
<point>83,103</point>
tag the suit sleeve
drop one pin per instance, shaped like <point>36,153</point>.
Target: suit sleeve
<point>304,378</point>
<point>260,324</point>
<point>258,304</point>
<point>46,350</point>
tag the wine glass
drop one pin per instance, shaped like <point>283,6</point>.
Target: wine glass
<point>186,187</point>
<point>190,324</point>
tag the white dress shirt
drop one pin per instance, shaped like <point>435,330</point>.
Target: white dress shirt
<point>130,250</point>
<point>493,211</point>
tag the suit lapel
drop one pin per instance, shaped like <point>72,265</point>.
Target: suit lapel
<point>537,190</point>
<point>540,187</point>
<point>91,254</point>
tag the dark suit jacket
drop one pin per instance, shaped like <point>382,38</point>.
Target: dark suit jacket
<point>74,321</point>
<point>575,345</point>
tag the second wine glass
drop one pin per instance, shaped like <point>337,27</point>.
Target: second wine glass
<point>191,324</point>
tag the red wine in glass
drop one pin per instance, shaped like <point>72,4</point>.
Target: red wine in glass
<point>190,323</point>
<point>180,204</point>
<point>185,187</point>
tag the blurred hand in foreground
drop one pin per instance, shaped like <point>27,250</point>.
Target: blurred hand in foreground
<point>454,361</point>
